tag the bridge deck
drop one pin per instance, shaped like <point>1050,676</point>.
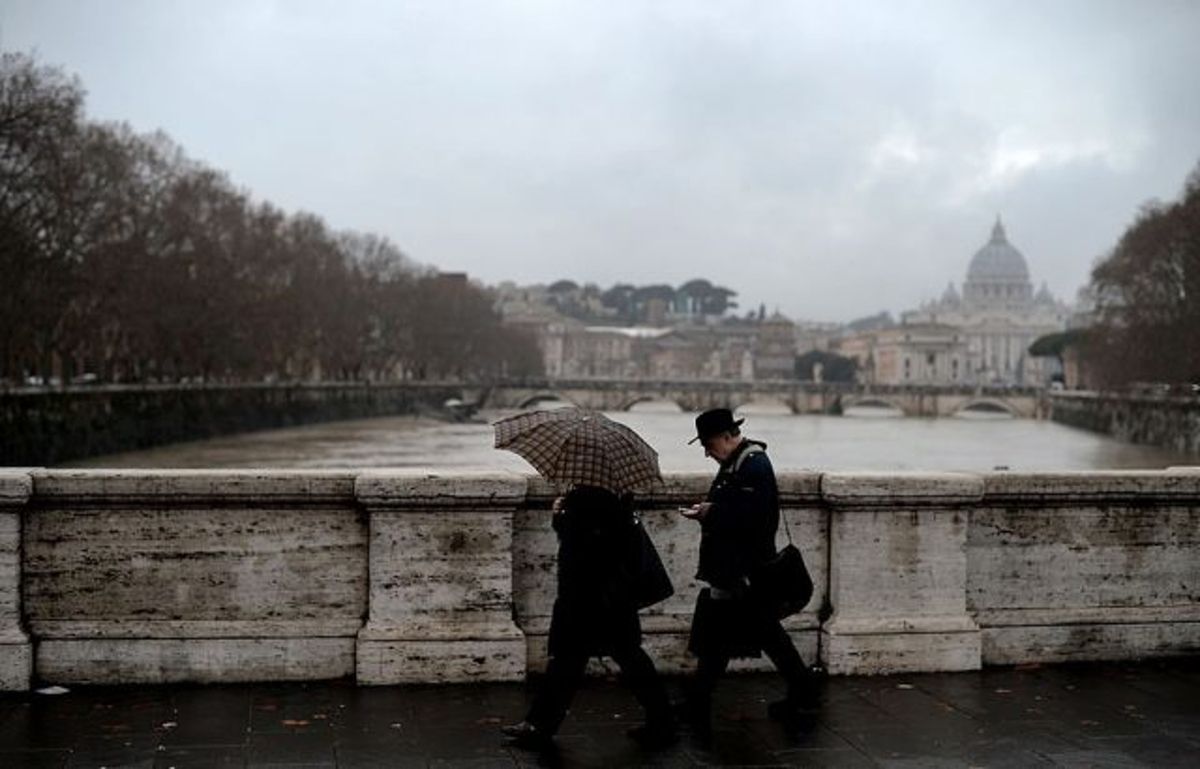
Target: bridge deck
<point>1116,715</point>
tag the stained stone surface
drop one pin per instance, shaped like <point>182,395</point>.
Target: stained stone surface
<point>898,565</point>
<point>139,576</point>
<point>16,650</point>
<point>1077,566</point>
<point>1081,715</point>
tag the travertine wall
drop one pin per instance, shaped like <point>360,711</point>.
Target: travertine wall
<point>1086,566</point>
<point>52,425</point>
<point>147,577</point>
<point>396,577</point>
<point>1172,421</point>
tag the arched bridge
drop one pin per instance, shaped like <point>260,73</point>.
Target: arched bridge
<point>798,397</point>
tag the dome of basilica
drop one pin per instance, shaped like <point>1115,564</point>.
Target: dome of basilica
<point>998,261</point>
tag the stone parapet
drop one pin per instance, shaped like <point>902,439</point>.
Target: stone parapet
<point>401,576</point>
<point>441,576</point>
<point>898,571</point>
<point>1081,566</point>
<point>154,577</point>
<point>50,425</point>
<point>1172,421</point>
<point>16,650</point>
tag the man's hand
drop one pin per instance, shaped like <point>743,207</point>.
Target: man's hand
<point>696,512</point>
<point>557,505</point>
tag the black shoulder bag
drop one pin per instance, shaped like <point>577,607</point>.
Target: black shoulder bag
<point>782,584</point>
<point>653,583</point>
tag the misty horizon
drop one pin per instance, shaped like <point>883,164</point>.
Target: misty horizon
<point>828,162</point>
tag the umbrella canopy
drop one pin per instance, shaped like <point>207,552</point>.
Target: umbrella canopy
<point>577,446</point>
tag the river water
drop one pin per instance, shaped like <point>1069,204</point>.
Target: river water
<point>867,440</point>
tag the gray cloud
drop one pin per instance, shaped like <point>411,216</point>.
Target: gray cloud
<point>831,161</point>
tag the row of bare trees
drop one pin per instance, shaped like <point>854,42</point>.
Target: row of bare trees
<point>123,260</point>
<point>1147,325</point>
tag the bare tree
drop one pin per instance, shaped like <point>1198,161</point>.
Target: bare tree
<point>1148,293</point>
<point>119,256</point>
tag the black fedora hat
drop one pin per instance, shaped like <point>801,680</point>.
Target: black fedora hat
<point>714,422</point>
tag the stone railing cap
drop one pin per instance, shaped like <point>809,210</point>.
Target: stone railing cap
<point>425,489</point>
<point>681,488</point>
<point>15,488</point>
<point>188,486</point>
<point>1175,483</point>
<point>902,489</point>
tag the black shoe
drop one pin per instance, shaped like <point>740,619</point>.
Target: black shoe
<point>526,735</point>
<point>654,736</point>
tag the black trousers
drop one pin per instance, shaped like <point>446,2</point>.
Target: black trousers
<point>775,643</point>
<point>564,675</point>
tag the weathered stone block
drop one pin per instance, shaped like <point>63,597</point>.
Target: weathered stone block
<point>206,576</point>
<point>202,660</point>
<point>1084,566</point>
<point>16,650</point>
<point>1054,635</point>
<point>898,573</point>
<point>441,576</point>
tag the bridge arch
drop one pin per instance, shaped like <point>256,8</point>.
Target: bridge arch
<point>533,400</point>
<point>766,406</point>
<point>628,404</point>
<point>874,401</point>
<point>987,406</point>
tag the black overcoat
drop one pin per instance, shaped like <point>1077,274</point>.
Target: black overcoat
<point>738,531</point>
<point>595,609</point>
<point>737,534</point>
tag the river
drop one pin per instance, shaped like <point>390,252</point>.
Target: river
<point>863,441</point>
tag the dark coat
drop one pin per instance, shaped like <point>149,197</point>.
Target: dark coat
<point>595,609</point>
<point>738,532</point>
<point>736,535</point>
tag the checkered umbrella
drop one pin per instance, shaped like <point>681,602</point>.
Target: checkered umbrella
<point>577,446</point>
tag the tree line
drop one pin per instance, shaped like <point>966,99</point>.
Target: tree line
<point>629,304</point>
<point>1147,317</point>
<point>124,260</point>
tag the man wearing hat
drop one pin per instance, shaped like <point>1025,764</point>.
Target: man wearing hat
<point>738,520</point>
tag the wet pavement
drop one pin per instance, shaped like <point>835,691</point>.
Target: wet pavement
<point>1101,715</point>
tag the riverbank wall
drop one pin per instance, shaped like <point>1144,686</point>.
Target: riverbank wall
<point>47,426</point>
<point>110,577</point>
<point>1169,421</point>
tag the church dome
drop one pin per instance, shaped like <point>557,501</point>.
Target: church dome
<point>998,261</point>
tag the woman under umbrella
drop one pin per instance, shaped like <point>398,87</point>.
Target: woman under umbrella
<point>599,559</point>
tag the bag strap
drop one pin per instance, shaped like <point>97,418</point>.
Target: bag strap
<point>753,448</point>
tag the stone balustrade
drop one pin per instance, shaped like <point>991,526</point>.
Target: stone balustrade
<point>1170,421</point>
<point>395,577</point>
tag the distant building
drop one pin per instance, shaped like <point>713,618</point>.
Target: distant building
<point>775,348</point>
<point>998,315</point>
<point>678,334</point>
<point>920,353</point>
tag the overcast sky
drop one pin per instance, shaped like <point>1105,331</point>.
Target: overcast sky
<point>828,159</point>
